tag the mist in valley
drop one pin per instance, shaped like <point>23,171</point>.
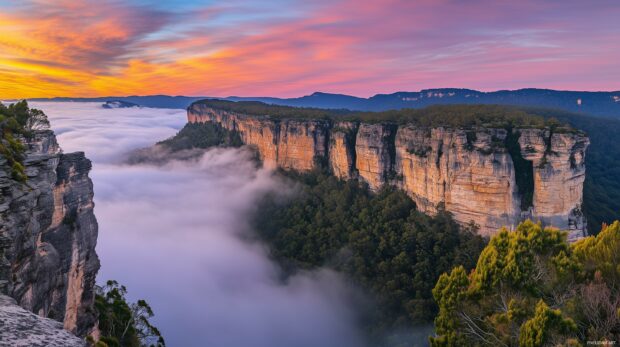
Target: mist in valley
<point>174,234</point>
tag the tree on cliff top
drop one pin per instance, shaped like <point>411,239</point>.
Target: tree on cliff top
<point>17,121</point>
<point>531,288</point>
<point>458,116</point>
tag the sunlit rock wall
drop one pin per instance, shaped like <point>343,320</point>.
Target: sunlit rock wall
<point>469,172</point>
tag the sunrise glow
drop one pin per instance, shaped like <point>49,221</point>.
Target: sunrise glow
<point>292,48</point>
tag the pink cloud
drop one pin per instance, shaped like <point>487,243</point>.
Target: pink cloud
<point>355,47</point>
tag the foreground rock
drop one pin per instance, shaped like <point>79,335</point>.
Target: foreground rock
<point>21,328</point>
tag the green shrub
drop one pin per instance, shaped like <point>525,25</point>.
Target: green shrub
<point>18,120</point>
<point>531,288</point>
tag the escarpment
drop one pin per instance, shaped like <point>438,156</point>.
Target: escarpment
<point>48,233</point>
<point>492,176</point>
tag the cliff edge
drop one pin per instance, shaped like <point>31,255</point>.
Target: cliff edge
<point>492,176</point>
<point>48,234</point>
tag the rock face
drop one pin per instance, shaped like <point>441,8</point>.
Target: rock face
<point>342,155</point>
<point>21,328</point>
<point>492,177</point>
<point>472,179</point>
<point>559,172</point>
<point>49,233</point>
<point>374,149</point>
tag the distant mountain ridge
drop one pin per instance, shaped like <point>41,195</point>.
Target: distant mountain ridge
<point>602,104</point>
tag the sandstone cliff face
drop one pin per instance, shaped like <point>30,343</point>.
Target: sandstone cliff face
<point>301,144</point>
<point>50,232</point>
<point>559,172</point>
<point>493,177</point>
<point>342,155</point>
<point>474,180</point>
<point>374,148</point>
<point>289,144</point>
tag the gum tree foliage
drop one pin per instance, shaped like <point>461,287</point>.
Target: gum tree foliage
<point>124,324</point>
<point>531,288</point>
<point>18,121</point>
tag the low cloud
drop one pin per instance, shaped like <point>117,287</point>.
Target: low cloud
<point>172,233</point>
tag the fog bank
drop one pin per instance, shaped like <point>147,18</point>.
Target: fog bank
<point>171,234</point>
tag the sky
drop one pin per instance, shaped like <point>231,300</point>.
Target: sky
<point>176,235</point>
<point>288,48</point>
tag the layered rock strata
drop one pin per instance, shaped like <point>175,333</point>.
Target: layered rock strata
<point>492,177</point>
<point>49,233</point>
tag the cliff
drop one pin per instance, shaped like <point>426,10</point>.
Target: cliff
<point>489,175</point>
<point>48,234</point>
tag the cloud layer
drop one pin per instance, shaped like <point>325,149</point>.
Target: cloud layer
<point>172,234</point>
<point>293,47</point>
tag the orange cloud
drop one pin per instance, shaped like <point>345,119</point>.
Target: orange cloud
<point>79,48</point>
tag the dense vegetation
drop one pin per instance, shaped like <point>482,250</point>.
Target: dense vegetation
<point>531,288</point>
<point>465,116</point>
<point>124,324</point>
<point>257,108</point>
<point>18,121</point>
<point>379,240</point>
<point>202,135</point>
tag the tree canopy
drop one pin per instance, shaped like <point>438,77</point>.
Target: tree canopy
<point>531,288</point>
<point>464,116</point>
<point>202,135</point>
<point>380,241</point>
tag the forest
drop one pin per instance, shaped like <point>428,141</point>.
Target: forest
<point>202,135</point>
<point>463,116</point>
<point>379,241</point>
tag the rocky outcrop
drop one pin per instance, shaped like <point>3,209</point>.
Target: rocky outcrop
<point>301,143</point>
<point>342,154</point>
<point>21,328</point>
<point>492,177</point>
<point>49,232</point>
<point>465,173</point>
<point>558,162</point>
<point>374,153</point>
